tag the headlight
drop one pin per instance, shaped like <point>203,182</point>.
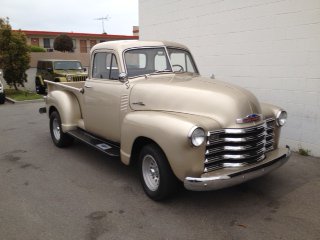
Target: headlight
<point>196,136</point>
<point>69,78</point>
<point>281,118</point>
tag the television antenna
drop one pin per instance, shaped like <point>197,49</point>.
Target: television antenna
<point>102,19</point>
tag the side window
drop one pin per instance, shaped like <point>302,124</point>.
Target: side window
<point>112,66</point>
<point>105,66</point>
<point>48,65</point>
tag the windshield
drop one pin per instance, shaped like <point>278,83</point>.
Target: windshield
<point>181,60</point>
<point>146,60</point>
<point>67,65</point>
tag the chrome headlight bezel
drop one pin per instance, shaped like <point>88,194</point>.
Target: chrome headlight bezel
<point>281,118</point>
<point>69,78</point>
<point>196,136</point>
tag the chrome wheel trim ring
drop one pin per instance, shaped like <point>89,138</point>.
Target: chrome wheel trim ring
<point>150,172</point>
<point>56,129</point>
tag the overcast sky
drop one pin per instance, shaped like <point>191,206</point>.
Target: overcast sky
<point>71,15</point>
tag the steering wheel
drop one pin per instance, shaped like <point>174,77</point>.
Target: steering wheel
<point>179,66</point>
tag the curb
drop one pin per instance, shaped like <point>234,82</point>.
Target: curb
<point>10,100</point>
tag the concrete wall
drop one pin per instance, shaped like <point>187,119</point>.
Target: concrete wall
<point>271,47</point>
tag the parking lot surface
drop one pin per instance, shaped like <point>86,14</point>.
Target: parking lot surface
<point>78,193</point>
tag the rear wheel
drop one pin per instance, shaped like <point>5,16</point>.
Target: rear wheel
<point>156,176</point>
<point>59,138</point>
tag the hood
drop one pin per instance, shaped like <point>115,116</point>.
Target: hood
<point>70,72</point>
<point>195,95</point>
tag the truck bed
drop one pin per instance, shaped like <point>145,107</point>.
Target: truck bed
<point>70,86</point>
<point>76,88</point>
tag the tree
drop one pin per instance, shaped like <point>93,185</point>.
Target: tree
<point>63,43</point>
<point>14,55</point>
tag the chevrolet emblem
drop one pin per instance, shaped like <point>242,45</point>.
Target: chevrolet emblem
<point>250,118</point>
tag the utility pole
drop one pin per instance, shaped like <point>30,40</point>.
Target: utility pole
<point>102,19</point>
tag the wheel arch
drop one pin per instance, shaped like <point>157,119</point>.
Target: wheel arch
<point>137,146</point>
<point>67,105</point>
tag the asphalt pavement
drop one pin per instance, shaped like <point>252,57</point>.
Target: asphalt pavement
<point>78,193</point>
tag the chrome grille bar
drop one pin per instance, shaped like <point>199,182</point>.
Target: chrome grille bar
<point>235,147</point>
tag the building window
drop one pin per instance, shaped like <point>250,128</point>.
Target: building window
<point>83,46</point>
<point>46,43</point>
<point>92,43</point>
<point>35,42</point>
<point>74,42</point>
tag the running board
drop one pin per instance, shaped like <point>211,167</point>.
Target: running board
<point>110,148</point>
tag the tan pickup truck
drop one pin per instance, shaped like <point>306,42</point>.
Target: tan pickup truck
<point>145,102</point>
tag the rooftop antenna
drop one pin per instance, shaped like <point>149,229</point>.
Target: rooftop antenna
<point>102,19</point>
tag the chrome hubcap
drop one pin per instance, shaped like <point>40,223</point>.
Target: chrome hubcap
<point>56,129</point>
<point>150,172</point>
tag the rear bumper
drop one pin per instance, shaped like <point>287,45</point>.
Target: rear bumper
<point>217,181</point>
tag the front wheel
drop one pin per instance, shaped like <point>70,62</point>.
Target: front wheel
<point>156,176</point>
<point>59,138</point>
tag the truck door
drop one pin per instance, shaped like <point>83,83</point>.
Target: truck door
<point>102,97</point>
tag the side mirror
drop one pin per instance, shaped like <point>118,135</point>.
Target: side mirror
<point>84,69</point>
<point>123,77</point>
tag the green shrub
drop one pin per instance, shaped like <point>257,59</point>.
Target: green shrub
<point>304,152</point>
<point>37,49</point>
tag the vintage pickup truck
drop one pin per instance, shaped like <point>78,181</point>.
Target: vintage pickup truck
<point>145,102</point>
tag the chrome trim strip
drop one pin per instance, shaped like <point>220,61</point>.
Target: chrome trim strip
<point>235,156</point>
<point>243,130</point>
<point>237,148</point>
<point>238,140</point>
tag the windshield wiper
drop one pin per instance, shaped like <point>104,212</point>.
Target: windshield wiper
<point>161,71</point>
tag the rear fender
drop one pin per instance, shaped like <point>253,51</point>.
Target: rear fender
<point>68,107</point>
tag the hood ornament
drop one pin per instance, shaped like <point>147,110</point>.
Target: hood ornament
<point>250,118</point>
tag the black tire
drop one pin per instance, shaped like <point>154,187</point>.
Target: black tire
<point>59,138</point>
<point>156,176</point>
<point>2,98</point>
<point>41,90</point>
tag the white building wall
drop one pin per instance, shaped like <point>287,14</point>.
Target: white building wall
<point>271,47</point>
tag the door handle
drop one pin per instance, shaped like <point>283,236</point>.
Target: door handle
<point>87,86</point>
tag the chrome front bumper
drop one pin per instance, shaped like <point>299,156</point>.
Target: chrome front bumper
<point>214,181</point>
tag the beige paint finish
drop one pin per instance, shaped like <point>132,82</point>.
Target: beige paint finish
<point>186,93</point>
<point>101,107</point>
<point>160,107</point>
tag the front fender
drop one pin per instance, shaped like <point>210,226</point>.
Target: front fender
<point>271,111</point>
<point>60,79</point>
<point>170,132</point>
<point>68,107</point>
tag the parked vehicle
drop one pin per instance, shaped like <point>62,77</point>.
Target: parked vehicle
<point>145,102</point>
<point>58,71</point>
<point>2,93</point>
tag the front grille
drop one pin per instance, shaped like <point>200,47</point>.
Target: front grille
<point>235,147</point>
<point>78,78</point>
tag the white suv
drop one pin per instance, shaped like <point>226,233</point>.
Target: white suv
<point>2,94</point>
